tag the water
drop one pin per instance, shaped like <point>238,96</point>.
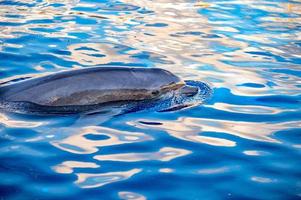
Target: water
<point>243,143</point>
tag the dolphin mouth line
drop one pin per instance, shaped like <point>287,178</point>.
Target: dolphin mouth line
<point>172,87</point>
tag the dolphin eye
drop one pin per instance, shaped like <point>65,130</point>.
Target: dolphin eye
<point>155,92</point>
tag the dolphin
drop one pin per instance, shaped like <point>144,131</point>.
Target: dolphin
<point>79,90</point>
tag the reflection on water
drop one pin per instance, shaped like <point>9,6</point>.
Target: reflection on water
<point>130,196</point>
<point>247,109</point>
<point>164,154</point>
<point>191,128</point>
<point>190,131</point>
<point>87,140</point>
<point>67,166</point>
<point>8,122</point>
<point>96,54</point>
<point>214,170</point>
<point>97,180</point>
<point>246,136</point>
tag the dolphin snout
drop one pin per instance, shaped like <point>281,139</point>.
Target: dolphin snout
<point>189,91</point>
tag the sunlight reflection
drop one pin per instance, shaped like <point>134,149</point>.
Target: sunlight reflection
<point>247,109</point>
<point>6,121</point>
<point>186,53</point>
<point>185,130</point>
<point>67,166</point>
<point>164,154</point>
<point>191,50</point>
<point>213,170</point>
<point>79,142</point>
<point>254,153</point>
<point>250,49</point>
<point>166,170</point>
<point>85,180</point>
<point>95,54</point>
<point>130,196</point>
<point>190,128</point>
<point>262,179</point>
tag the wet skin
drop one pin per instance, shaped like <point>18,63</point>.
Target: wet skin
<point>91,86</point>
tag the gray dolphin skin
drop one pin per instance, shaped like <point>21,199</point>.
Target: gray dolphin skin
<point>92,86</point>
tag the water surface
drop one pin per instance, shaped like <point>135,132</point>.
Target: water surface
<point>243,143</point>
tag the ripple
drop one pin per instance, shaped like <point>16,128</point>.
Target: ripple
<point>189,133</point>
<point>248,109</point>
<point>245,136</point>
<point>254,153</point>
<point>213,170</point>
<point>190,128</point>
<point>67,166</point>
<point>76,142</point>
<point>11,122</point>
<point>130,195</point>
<point>164,154</point>
<point>97,180</point>
<point>85,53</point>
<point>262,179</point>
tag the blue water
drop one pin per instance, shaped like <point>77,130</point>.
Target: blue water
<point>242,143</point>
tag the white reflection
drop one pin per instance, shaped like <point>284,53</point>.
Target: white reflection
<point>178,44</point>
<point>187,131</point>
<point>297,146</point>
<point>130,196</point>
<point>188,40</point>
<point>254,153</point>
<point>247,109</point>
<point>262,179</point>
<point>97,53</point>
<point>190,128</point>
<point>164,154</point>
<point>41,11</point>
<point>213,170</point>
<point>85,180</point>
<point>166,170</point>
<point>80,143</point>
<point>6,121</point>
<point>67,166</point>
